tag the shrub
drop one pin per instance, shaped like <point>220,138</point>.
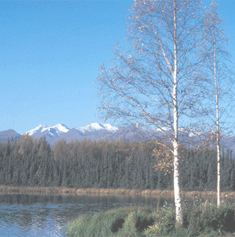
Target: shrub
<point>200,219</point>
<point>117,222</point>
<point>136,222</point>
<point>79,226</point>
<point>165,218</point>
<point>208,219</point>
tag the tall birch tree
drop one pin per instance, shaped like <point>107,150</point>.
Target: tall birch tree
<point>219,73</point>
<point>157,82</point>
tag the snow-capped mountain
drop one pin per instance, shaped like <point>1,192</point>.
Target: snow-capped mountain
<point>48,131</point>
<point>53,134</point>
<point>96,127</point>
<point>93,131</point>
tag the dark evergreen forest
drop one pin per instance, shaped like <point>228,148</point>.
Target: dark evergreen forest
<point>101,164</point>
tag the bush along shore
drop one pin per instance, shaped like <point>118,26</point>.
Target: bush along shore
<point>200,219</point>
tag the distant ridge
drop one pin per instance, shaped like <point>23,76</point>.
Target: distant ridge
<point>9,134</point>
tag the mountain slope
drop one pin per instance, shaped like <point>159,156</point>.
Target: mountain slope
<point>8,134</point>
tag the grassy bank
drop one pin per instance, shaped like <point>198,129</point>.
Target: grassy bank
<point>101,191</point>
<point>200,219</point>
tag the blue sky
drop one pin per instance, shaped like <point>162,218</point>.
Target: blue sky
<point>50,56</point>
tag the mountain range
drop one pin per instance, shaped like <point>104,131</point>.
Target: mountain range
<point>93,131</point>
<point>98,131</point>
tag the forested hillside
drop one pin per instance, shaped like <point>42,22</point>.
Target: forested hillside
<point>100,164</point>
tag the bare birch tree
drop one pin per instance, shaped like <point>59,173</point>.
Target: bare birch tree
<point>157,82</point>
<point>219,75</point>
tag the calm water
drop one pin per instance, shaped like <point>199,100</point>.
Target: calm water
<point>31,215</point>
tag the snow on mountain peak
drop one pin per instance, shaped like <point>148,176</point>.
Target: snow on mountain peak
<point>61,127</point>
<point>93,127</point>
<point>53,130</point>
<point>39,128</point>
<point>110,127</point>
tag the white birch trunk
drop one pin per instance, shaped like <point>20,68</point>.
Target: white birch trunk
<point>218,172</point>
<point>217,128</point>
<point>177,196</point>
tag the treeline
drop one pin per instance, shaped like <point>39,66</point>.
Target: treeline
<point>100,164</point>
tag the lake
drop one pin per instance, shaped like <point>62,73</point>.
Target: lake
<point>37,215</point>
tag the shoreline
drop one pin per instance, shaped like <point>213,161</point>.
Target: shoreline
<point>104,192</point>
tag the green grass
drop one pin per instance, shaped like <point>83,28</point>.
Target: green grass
<point>199,220</point>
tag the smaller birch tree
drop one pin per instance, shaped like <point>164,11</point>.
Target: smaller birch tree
<point>218,70</point>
